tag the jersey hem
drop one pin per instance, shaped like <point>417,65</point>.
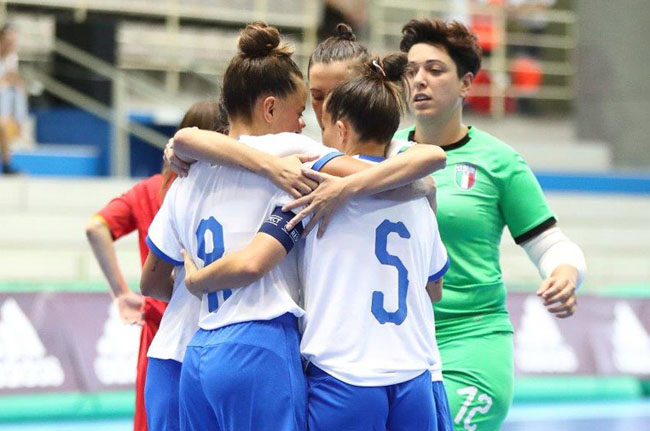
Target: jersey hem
<point>369,382</point>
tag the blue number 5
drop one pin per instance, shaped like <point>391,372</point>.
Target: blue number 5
<point>381,238</point>
<point>212,225</point>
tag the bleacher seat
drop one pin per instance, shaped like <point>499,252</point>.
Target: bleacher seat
<point>42,233</point>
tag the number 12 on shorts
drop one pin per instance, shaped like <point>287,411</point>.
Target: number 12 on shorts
<point>210,232</point>
<point>470,393</point>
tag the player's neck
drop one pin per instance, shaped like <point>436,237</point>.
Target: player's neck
<point>441,131</point>
<point>369,148</point>
<point>238,129</point>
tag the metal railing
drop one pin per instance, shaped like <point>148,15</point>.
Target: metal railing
<point>301,16</point>
<point>116,115</point>
<point>498,65</point>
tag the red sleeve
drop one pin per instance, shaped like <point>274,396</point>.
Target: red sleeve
<point>119,214</point>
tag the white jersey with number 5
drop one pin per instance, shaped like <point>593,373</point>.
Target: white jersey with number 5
<point>368,318</point>
<point>215,210</point>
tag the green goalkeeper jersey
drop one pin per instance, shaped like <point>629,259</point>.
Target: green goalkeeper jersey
<point>485,186</point>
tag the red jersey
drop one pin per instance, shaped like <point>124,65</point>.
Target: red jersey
<point>135,209</point>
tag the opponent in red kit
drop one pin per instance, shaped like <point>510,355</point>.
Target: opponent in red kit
<point>134,210</point>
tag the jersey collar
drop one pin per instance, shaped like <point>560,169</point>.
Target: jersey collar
<point>459,143</point>
<point>372,158</point>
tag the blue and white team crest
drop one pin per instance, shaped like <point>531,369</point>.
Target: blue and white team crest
<point>465,175</point>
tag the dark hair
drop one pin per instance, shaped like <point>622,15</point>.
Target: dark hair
<point>457,39</point>
<point>343,46</point>
<point>206,115</point>
<point>261,66</point>
<point>372,102</point>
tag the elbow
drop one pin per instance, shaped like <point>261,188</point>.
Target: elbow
<point>145,287</point>
<point>439,160</point>
<point>433,158</point>
<point>93,229</point>
<point>251,271</point>
<point>183,139</point>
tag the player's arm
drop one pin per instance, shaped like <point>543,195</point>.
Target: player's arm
<point>438,268</point>
<point>362,179</point>
<point>101,242</point>
<point>238,269</point>
<point>562,265</point>
<point>434,289</point>
<point>156,280</point>
<point>559,260</point>
<point>192,144</point>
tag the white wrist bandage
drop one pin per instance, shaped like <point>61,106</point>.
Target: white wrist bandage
<point>552,248</point>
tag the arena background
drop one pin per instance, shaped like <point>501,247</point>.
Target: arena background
<point>109,80</point>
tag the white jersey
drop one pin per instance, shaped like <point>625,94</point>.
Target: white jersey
<point>395,147</point>
<point>369,320</point>
<point>179,322</point>
<point>218,209</point>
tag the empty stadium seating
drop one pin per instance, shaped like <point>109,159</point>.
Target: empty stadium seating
<point>42,233</point>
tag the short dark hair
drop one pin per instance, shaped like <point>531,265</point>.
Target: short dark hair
<point>343,46</point>
<point>261,66</point>
<point>373,101</point>
<point>457,39</point>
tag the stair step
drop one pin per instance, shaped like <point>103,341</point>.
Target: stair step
<point>58,160</point>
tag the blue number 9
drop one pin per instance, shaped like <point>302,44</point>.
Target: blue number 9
<point>211,224</point>
<point>381,238</point>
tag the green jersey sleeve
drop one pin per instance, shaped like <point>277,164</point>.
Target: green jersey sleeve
<point>522,202</point>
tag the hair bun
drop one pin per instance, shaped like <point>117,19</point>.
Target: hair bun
<point>344,32</point>
<point>258,39</point>
<point>394,66</point>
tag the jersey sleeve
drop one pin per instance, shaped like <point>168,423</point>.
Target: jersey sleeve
<point>163,238</point>
<point>522,202</point>
<point>118,214</point>
<point>439,259</point>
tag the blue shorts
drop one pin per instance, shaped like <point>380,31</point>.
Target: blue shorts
<point>161,394</point>
<point>335,405</point>
<point>245,376</point>
<point>443,412</point>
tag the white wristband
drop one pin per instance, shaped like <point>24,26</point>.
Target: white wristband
<point>552,248</point>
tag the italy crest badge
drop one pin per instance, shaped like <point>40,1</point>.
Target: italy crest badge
<point>465,175</point>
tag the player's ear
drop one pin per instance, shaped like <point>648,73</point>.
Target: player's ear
<point>343,130</point>
<point>466,84</point>
<point>268,106</point>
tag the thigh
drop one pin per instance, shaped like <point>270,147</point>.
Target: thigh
<point>336,405</point>
<point>412,406</point>
<point>478,374</point>
<point>251,387</point>
<point>196,413</point>
<point>161,394</point>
